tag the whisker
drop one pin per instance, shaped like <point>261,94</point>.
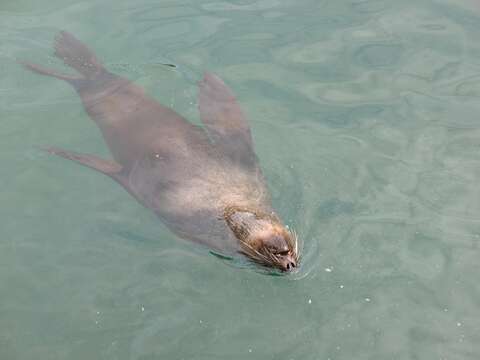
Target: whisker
<point>295,238</point>
<point>254,254</point>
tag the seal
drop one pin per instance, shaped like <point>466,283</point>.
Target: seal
<point>204,183</point>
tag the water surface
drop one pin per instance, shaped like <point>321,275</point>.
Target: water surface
<point>365,116</point>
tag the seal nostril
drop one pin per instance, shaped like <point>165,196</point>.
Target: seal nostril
<point>288,266</point>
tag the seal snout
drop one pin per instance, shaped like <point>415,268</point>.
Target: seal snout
<point>288,264</point>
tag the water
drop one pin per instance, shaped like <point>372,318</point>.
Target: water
<point>365,119</point>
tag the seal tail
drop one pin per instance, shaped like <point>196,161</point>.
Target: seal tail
<point>73,53</point>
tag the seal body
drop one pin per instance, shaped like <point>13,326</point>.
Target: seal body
<point>190,176</point>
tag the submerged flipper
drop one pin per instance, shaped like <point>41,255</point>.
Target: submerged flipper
<point>225,120</point>
<point>107,167</point>
<point>73,53</point>
<point>44,71</point>
<point>76,54</point>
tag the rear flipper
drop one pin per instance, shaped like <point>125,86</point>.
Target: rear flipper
<point>76,54</point>
<point>73,53</point>
<point>107,167</point>
<point>44,71</point>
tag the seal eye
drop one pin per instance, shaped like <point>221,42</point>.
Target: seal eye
<point>283,253</point>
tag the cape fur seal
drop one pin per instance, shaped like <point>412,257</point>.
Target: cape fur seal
<point>205,184</point>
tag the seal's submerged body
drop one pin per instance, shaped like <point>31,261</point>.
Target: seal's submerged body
<point>205,184</point>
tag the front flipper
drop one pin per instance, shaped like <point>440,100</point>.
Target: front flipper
<point>107,167</point>
<point>225,121</point>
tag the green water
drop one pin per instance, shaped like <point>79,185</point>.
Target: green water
<point>365,116</point>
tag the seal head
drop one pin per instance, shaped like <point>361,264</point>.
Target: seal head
<point>263,238</point>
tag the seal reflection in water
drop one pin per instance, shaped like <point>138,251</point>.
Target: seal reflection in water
<point>203,182</point>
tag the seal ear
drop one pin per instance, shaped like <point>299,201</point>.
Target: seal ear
<point>225,121</point>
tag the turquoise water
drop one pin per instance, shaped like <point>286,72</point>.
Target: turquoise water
<point>365,116</point>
